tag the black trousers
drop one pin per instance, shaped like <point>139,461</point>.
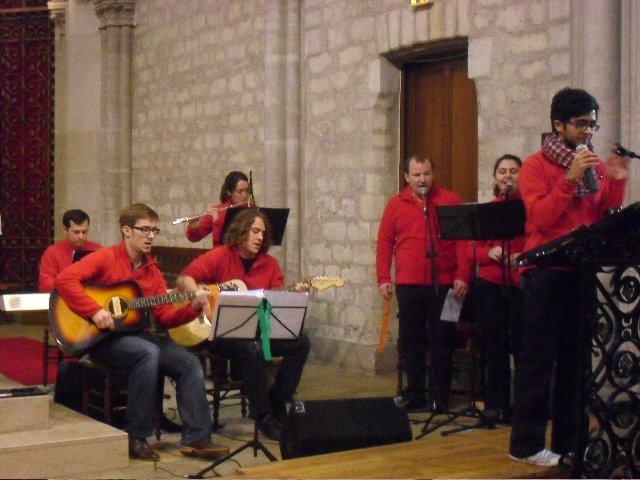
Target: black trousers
<point>499,311</point>
<point>248,360</point>
<point>551,347</point>
<point>420,328</point>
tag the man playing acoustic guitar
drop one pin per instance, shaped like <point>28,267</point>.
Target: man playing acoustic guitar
<point>143,354</point>
<point>244,257</point>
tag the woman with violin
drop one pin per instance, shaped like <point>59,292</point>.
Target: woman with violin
<point>236,192</point>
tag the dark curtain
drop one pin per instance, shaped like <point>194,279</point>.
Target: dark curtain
<point>26,138</point>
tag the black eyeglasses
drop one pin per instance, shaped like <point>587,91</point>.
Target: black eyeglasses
<point>147,230</point>
<point>582,125</point>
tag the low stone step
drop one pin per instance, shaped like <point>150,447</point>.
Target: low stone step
<point>22,412</point>
<point>43,439</point>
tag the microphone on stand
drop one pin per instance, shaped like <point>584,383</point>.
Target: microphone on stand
<point>423,193</point>
<point>623,152</point>
<point>589,175</point>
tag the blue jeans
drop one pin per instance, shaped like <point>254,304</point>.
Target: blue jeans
<point>146,356</point>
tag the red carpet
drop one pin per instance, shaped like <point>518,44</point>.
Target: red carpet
<point>21,361</point>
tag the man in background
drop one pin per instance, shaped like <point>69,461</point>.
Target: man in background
<point>426,268</point>
<point>61,254</point>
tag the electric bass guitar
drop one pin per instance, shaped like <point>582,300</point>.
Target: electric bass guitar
<point>125,303</point>
<point>197,330</point>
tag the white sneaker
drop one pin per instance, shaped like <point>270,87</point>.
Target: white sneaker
<point>544,458</point>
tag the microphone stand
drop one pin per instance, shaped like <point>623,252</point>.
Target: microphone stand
<point>431,250</point>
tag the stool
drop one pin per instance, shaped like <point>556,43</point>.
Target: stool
<point>104,391</point>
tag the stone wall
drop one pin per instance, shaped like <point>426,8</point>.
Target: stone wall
<point>198,112</point>
<point>198,108</point>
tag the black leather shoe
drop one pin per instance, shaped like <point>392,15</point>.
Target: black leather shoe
<point>270,427</point>
<point>139,449</point>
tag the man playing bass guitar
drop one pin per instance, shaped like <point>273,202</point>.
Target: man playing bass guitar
<point>143,354</point>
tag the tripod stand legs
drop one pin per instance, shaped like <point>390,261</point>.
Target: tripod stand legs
<point>254,443</point>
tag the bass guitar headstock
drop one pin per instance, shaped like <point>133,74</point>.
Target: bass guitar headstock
<point>322,283</point>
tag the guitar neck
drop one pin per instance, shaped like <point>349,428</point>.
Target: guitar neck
<point>171,297</point>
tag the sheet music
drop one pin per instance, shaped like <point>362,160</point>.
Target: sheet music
<point>451,308</point>
<point>235,315</point>
<point>288,310</point>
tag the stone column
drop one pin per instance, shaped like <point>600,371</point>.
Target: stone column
<point>58,14</point>
<point>282,130</point>
<point>630,95</point>
<point>116,33</point>
<point>595,54</point>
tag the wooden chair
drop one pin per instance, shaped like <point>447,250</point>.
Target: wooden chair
<point>51,353</point>
<point>217,369</point>
<point>104,392</point>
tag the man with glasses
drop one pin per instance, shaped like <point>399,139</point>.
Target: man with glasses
<point>144,355</point>
<point>557,200</point>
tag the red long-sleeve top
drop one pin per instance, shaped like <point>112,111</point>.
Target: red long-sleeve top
<point>552,208</point>
<point>112,265</point>
<point>489,269</point>
<point>224,263</point>
<point>207,226</point>
<point>55,259</point>
<point>404,236</point>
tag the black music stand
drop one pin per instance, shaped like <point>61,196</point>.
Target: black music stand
<point>236,317</point>
<point>482,221</point>
<point>477,221</point>
<point>277,218</point>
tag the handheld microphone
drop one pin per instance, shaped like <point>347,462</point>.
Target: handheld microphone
<point>589,175</point>
<point>508,188</point>
<point>423,193</point>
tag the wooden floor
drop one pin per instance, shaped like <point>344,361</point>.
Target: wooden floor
<point>475,453</point>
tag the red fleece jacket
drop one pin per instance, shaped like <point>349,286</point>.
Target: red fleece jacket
<point>403,236</point>
<point>552,208</point>
<point>55,259</point>
<point>112,265</point>
<point>224,263</point>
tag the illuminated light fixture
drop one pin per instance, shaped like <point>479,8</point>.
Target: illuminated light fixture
<point>420,3</point>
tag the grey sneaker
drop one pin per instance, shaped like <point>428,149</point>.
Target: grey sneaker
<point>544,458</point>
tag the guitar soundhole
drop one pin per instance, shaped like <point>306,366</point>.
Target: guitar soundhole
<point>117,307</point>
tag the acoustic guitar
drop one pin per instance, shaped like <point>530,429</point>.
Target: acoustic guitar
<point>197,330</point>
<point>123,300</point>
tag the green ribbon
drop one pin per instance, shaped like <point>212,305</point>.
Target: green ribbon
<point>264,317</point>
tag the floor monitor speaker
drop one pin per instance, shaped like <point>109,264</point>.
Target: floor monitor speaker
<point>322,426</point>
